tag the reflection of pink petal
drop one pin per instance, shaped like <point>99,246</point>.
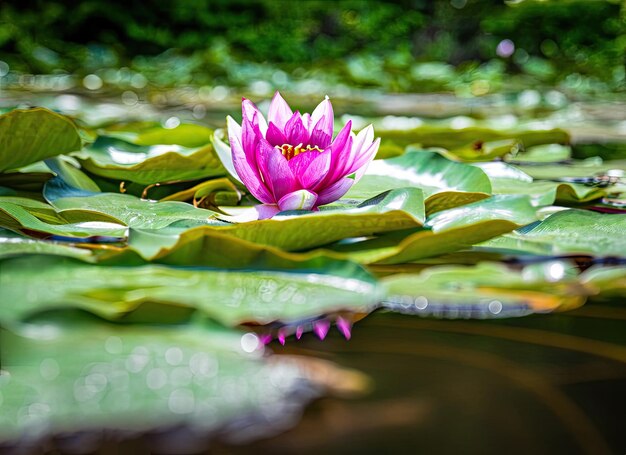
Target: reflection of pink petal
<point>281,337</point>
<point>266,338</point>
<point>299,332</point>
<point>344,327</point>
<point>321,328</point>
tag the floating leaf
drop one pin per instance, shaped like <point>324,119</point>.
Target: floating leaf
<point>568,232</point>
<point>487,290</point>
<point>451,139</point>
<point>38,219</point>
<point>12,244</point>
<point>152,133</point>
<point>120,160</point>
<point>90,376</point>
<point>134,212</point>
<point>228,297</point>
<point>507,179</point>
<point>447,231</point>
<point>30,135</point>
<point>445,183</point>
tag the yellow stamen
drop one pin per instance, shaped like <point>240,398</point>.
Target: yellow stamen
<point>289,151</point>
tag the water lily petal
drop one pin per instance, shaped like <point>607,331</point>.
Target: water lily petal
<point>252,113</point>
<point>280,112</point>
<point>275,170</point>
<point>310,168</point>
<point>322,121</point>
<point>275,136</point>
<point>364,139</point>
<point>295,131</point>
<point>266,211</point>
<point>334,191</point>
<point>250,136</point>
<point>339,162</point>
<point>359,166</point>
<point>249,176</point>
<point>298,200</point>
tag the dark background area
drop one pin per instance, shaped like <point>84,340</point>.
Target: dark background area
<point>362,43</point>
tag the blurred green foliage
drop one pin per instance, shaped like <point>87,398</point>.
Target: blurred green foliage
<point>382,43</point>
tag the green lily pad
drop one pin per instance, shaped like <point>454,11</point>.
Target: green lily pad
<point>508,179</point>
<point>152,133</point>
<point>148,164</point>
<point>389,211</point>
<point>30,135</point>
<point>568,232</point>
<point>446,184</point>
<point>464,139</point>
<point>136,213</point>
<point>90,376</point>
<point>445,232</point>
<point>12,244</point>
<point>486,290</point>
<point>38,219</point>
<point>228,297</point>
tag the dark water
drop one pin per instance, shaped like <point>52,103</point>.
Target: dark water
<point>542,384</point>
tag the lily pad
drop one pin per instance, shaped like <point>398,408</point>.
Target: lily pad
<point>487,290</point>
<point>568,232</point>
<point>445,232</point>
<point>462,139</point>
<point>446,184</point>
<point>508,179</point>
<point>147,164</point>
<point>30,135</point>
<point>90,376</point>
<point>228,297</point>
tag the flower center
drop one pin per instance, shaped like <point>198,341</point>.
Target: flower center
<point>289,151</point>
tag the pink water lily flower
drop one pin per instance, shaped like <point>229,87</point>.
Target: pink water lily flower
<point>291,162</point>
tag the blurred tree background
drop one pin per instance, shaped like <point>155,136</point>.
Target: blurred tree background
<point>405,45</point>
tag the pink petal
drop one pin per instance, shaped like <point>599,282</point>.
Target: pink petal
<point>298,200</point>
<point>306,120</point>
<point>251,112</point>
<point>321,328</point>
<point>266,211</point>
<point>310,168</point>
<point>342,158</point>
<point>322,121</point>
<point>275,170</point>
<point>363,160</point>
<point>275,136</point>
<point>364,139</point>
<point>344,327</point>
<point>280,112</point>
<point>334,191</point>
<point>249,175</point>
<point>338,146</point>
<point>295,131</point>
